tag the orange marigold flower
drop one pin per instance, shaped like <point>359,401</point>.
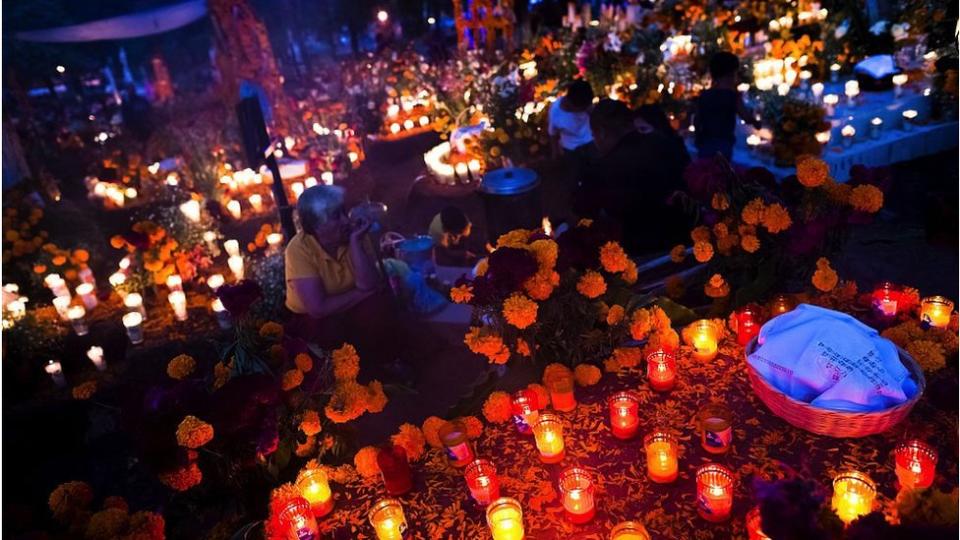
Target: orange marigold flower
<point>541,285</point>
<point>481,267</point>
<point>310,423</point>
<point>523,348</point>
<point>474,426</point>
<point>546,252</point>
<point>346,363</point>
<point>84,390</point>
<point>307,447</point>
<point>627,356</point>
<point>750,243</point>
<point>716,287</point>
<point>365,461</point>
<point>348,402</point>
<point>39,268</point>
<point>519,311</point>
<point>514,238</point>
<point>674,286</point>
<point>700,234</point>
<point>181,367</point>
<point>554,371</point>
<point>145,525</point>
<point>376,398</point>
<point>678,253</point>
<point>776,218</point>
<point>291,379</point>
<point>611,365</point>
<point>591,284</point>
<point>929,354</point>
<point>221,374</point>
<point>720,230</point>
<point>431,431</point>
<point>640,324</point>
<point>81,255</point>
<point>824,278</point>
<point>106,524</point>
<point>753,212</point>
<point>613,258</point>
<point>615,315</point>
<point>304,362</point>
<point>482,341</point>
<point>703,251</point>
<point>543,396</point>
<point>411,439</point>
<point>183,478</point>
<point>69,499</point>
<point>461,294</point>
<point>587,374</point>
<point>271,330</point>
<point>498,408</point>
<point>193,432</point>
<point>719,201</point>
<point>59,260</point>
<point>866,198</point>
<point>630,274</point>
<point>811,170</point>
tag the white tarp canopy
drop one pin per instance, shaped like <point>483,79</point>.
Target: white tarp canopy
<point>134,25</point>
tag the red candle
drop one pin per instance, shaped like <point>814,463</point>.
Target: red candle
<point>661,370</point>
<point>885,299</point>
<point>297,518</point>
<point>748,324</point>
<point>525,410</point>
<point>754,525</point>
<point>481,477</point>
<point>395,469</point>
<point>915,464</point>
<point>714,492</point>
<point>576,492</point>
<point>624,415</point>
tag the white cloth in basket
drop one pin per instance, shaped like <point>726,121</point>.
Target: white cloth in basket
<point>832,361</point>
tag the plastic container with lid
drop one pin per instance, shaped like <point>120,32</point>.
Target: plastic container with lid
<point>453,435</point>
<point>511,200</point>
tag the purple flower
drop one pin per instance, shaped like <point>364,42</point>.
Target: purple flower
<point>238,297</point>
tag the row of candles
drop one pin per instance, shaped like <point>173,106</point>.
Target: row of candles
<point>117,194</point>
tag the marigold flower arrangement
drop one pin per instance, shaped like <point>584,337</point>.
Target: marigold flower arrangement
<point>181,366</point>
<point>193,432</point>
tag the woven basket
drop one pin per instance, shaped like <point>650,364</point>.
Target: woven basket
<point>834,423</point>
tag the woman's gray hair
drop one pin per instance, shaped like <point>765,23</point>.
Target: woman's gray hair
<point>317,205</point>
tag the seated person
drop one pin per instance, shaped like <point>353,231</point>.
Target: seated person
<point>450,230</point>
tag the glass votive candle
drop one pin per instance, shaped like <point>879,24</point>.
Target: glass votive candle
<point>909,116</point>
<point>87,296</point>
<point>755,525</point>
<point>748,324</point>
<point>76,314</point>
<point>851,89</point>
<point>876,125</point>
<point>577,495</point>
<point>55,370</point>
<point>232,247</point>
<point>174,282</point>
<point>388,520</point>
<point>233,207</point>
<point>936,311</point>
<point>548,435</point>
<point>505,519</point>
<point>629,530</point>
<point>235,262</point>
<point>561,393</point>
<point>915,463</point>
<point>453,435</point>
<point>57,285</point>
<point>823,137</point>
<point>133,323</point>
<point>834,72</point>
<point>395,470</point>
<point>95,354</point>
<point>134,303</point>
<point>178,301</point>
<point>781,304</point>
<point>624,415</point>
<point>62,305</point>
<point>715,485</point>
<point>716,428</point>
<point>525,411</point>
<point>256,202</point>
<point>223,316</point>
<point>848,133</point>
<point>482,481</point>
<point>885,299</point>
<point>853,495</point>
<point>661,370</point>
<point>117,279</point>
<point>662,462</point>
<point>830,103</point>
<point>817,89</point>
<point>703,339</point>
<point>215,281</point>
<point>315,488</point>
<point>899,80</point>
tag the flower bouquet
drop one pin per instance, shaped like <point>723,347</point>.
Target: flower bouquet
<point>795,124</point>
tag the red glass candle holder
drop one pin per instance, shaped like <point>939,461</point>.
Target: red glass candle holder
<point>577,494</point>
<point>482,480</point>
<point>548,434</point>
<point>395,470</point>
<point>315,488</point>
<point>624,415</point>
<point>915,463</point>
<point>661,371</point>
<point>525,410</point>
<point>715,485</point>
<point>886,299</point>
<point>781,304</point>
<point>298,520</point>
<point>748,324</point>
<point>662,457</point>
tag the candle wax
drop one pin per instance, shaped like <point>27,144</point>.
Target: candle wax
<point>579,506</point>
<point>715,503</point>
<point>661,377</point>
<point>390,529</point>
<point>551,447</point>
<point>563,401</point>
<point>320,499</point>
<point>506,524</point>
<point>662,466</point>
<point>624,424</point>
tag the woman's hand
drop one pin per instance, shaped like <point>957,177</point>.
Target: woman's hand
<point>358,228</point>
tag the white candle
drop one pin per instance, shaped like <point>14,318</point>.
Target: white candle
<point>834,72</point>
<point>191,209</point>
<point>62,304</point>
<point>753,141</point>
<point>75,314</point>
<point>394,128</point>
<point>876,123</point>
<point>353,156</point>
<point>134,303</point>
<point>124,264</point>
<point>87,296</point>
<point>310,182</point>
<point>17,308</point>
<point>424,121</point>
<point>823,137</point>
<point>297,189</point>
<point>393,110</point>
<point>178,301</point>
<point>86,276</point>
<point>327,178</point>
<point>848,132</point>
<point>256,201</point>
<point>95,354</point>
<point>899,80</point>
<point>851,89</point>
<point>831,100</point>
<point>817,89</point>
<point>57,285</point>
<point>55,371</point>
<point>783,89</point>
<point>408,124</point>
<point>133,322</point>
<point>909,116</point>
<point>274,240</point>
<point>232,247</point>
<point>117,279</point>
<point>743,88</point>
<point>223,316</point>
<point>474,166</point>
<point>234,208</point>
<point>215,282</point>
<point>461,169</point>
<point>236,266</point>
<point>174,282</point>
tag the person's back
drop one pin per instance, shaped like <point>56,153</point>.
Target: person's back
<point>715,119</point>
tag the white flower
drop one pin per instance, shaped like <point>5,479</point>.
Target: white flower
<point>879,27</point>
<point>842,29</point>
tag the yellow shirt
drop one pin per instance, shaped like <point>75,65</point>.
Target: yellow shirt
<point>305,258</point>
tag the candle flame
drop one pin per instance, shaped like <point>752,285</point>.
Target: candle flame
<point>546,226</point>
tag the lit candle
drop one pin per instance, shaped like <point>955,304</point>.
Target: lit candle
<point>55,371</point>
<point>525,411</point>
<point>134,303</point>
<point>299,522</point>
<point>876,124</point>
<point>297,189</point>
<point>327,178</point>
<point>853,495</point>
<point>629,530</point>
<point>753,142</point>
<point>830,101</point>
<point>86,276</point>
<point>223,316</point>
<point>57,285</point>
<point>353,156</point>
<point>273,241</point>
<point>174,282</point>
<point>909,116</point>
<point>85,292</point>
<point>823,137</point>
<point>233,207</point>
<point>232,247</point>
<point>395,470</point>
<point>394,128</point>
<point>256,201</point>
<point>178,301</point>
<point>235,262</point>
<point>548,434</point>
<point>817,89</point>
<point>754,525</point>
<point>424,121</point>
<point>191,210</point>
<point>662,462</point>
<point>851,89</point>
<point>408,124</point>
<point>481,478</point>
<point>461,169</point>
<point>743,88</point>
<point>783,89</point>
<point>781,304</point>
<point>75,314</point>
<point>703,339</point>
<point>661,370</point>
<point>885,299</point>
<point>624,415</point>
<point>388,520</point>
<point>117,279</point>
<point>62,304</point>
<point>561,392</point>
<point>834,72</point>
<point>848,132</point>
<point>315,488</point>
<point>17,308</point>
<point>576,492</point>
<point>474,166</point>
<point>936,311</point>
<point>748,324</point>
<point>215,281</point>
<point>95,354</point>
<point>310,182</point>
<point>899,80</point>
<point>716,429</point>
<point>453,435</point>
<point>715,485</point>
<point>133,322</point>
<point>915,464</point>
<point>505,519</point>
